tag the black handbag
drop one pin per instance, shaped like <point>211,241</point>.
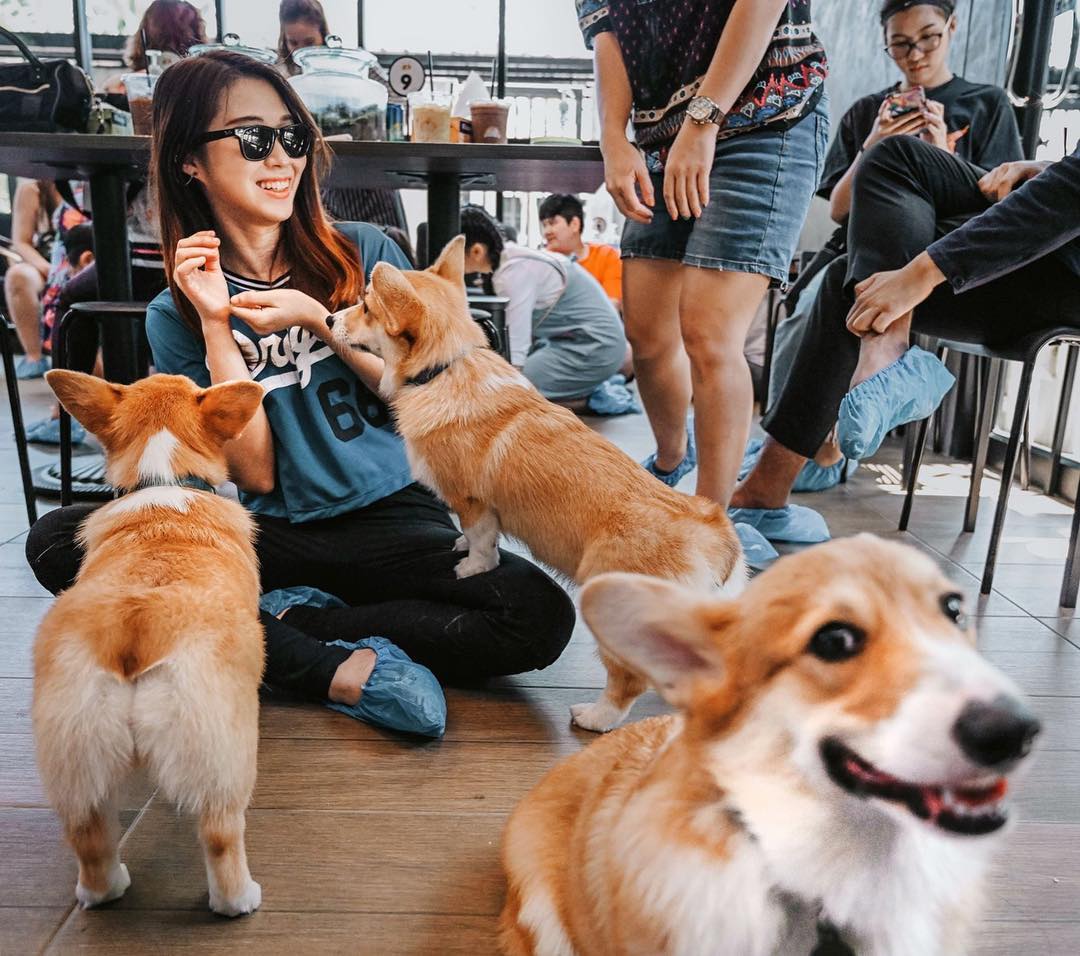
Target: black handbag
<point>42,96</point>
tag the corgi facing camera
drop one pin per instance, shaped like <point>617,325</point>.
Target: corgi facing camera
<point>504,458</point>
<point>155,654</point>
<point>842,757</point>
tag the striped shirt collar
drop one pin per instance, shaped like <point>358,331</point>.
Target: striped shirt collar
<point>257,285</point>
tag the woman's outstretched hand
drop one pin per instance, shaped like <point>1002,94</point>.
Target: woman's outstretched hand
<point>272,310</point>
<point>197,271</point>
<point>887,296</point>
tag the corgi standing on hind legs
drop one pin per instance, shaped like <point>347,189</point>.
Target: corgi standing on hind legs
<point>155,654</point>
<point>504,458</point>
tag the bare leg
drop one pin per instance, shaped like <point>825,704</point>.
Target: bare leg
<point>715,311</point>
<point>232,890</point>
<point>829,453</point>
<point>96,840</point>
<point>769,483</point>
<point>23,286</point>
<point>879,351</point>
<point>651,313</point>
<point>352,674</point>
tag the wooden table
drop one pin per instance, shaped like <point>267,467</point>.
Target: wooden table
<point>443,169</point>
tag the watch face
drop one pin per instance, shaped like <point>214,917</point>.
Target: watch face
<point>699,108</point>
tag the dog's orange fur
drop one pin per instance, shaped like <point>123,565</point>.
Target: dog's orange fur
<point>505,458</point>
<point>155,654</point>
<point>592,853</point>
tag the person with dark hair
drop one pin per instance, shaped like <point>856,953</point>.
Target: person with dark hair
<point>562,218</point>
<point>564,333</point>
<point>303,24</point>
<point>1012,269</point>
<point>730,122</point>
<point>972,121</point>
<point>353,555</point>
<point>171,26</point>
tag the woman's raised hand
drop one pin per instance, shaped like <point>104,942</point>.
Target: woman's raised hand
<point>272,310</point>
<point>198,274</point>
<point>886,125</point>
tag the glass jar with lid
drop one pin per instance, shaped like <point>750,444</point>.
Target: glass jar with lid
<point>231,41</point>
<point>335,84</point>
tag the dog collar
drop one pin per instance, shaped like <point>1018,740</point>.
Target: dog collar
<point>426,375</point>
<point>188,481</point>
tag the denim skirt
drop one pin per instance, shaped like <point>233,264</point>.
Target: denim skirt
<point>760,189</point>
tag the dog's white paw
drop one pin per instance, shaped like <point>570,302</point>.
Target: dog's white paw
<point>476,564</point>
<point>246,902</point>
<point>462,544</point>
<point>599,716</point>
<point>118,884</point>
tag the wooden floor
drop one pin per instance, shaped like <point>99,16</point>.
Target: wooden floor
<point>368,843</point>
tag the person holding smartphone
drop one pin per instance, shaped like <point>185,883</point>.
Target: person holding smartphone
<point>972,121</point>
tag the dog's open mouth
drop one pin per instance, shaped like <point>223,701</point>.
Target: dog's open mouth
<point>970,811</point>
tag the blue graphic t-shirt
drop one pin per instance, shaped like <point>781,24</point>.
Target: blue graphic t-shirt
<point>335,447</point>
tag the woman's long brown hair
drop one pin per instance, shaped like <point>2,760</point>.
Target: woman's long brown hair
<point>322,262</point>
<point>293,11</point>
<point>168,25</point>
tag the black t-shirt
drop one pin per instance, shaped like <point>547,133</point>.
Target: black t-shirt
<point>979,117</point>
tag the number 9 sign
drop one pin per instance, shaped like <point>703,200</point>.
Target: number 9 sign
<point>406,75</point>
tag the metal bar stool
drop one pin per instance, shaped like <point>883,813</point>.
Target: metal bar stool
<point>7,330</point>
<point>131,366</point>
<point>1025,350</point>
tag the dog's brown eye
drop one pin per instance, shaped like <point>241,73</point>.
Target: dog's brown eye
<point>952,606</point>
<point>837,641</point>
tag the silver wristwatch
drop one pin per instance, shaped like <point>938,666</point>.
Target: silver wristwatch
<point>701,110</point>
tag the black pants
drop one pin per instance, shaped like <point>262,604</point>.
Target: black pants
<point>906,194</point>
<point>393,563</point>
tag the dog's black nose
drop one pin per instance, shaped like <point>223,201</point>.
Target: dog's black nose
<point>996,732</point>
<point>329,321</point>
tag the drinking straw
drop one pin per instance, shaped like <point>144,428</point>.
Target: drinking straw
<point>431,70</point>
<point>146,59</point>
<point>494,67</point>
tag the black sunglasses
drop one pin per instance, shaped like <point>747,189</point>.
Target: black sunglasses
<point>257,142</point>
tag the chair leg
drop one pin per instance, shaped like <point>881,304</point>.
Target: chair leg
<point>1025,457</point>
<point>984,425</point>
<point>1070,581</point>
<point>1008,470</point>
<point>1061,420</point>
<point>911,476</point>
<point>18,424</point>
<point>60,361</point>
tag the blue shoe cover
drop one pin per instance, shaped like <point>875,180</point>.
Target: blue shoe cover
<point>399,695</point>
<point>812,477</point>
<point>756,548</point>
<point>30,368</point>
<point>793,523</point>
<point>47,432</point>
<point>613,398</point>
<point>909,390</point>
<point>274,602</point>
<point>682,469</point>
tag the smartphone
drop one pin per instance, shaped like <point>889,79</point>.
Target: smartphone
<point>906,101</point>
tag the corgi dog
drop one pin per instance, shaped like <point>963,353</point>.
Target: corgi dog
<point>504,458</point>
<point>840,758</point>
<point>155,654</point>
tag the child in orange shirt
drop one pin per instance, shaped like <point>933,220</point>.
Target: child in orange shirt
<point>562,217</point>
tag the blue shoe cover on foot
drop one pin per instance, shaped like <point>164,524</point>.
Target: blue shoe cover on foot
<point>613,398</point>
<point>31,368</point>
<point>793,524</point>
<point>682,469</point>
<point>909,390</point>
<point>399,695</point>
<point>275,602</point>
<point>812,477</point>
<point>756,548</point>
<point>47,432</point>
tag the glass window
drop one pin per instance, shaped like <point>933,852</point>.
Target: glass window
<point>543,29</point>
<point>121,17</point>
<point>465,26</point>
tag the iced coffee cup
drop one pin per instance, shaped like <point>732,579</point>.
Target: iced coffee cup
<point>139,88</point>
<point>430,117</point>
<point>489,120</point>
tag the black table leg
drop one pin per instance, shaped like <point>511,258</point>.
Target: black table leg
<point>108,199</point>
<point>444,212</point>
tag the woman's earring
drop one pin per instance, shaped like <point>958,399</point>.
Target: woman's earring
<point>190,179</point>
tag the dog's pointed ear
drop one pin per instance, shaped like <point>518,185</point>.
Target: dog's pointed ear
<point>400,305</point>
<point>660,629</point>
<point>451,262</point>
<point>87,398</point>
<point>228,407</point>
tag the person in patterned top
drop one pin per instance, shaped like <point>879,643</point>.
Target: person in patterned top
<point>730,127</point>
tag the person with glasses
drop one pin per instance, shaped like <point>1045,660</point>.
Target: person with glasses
<point>974,122</point>
<point>357,561</point>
